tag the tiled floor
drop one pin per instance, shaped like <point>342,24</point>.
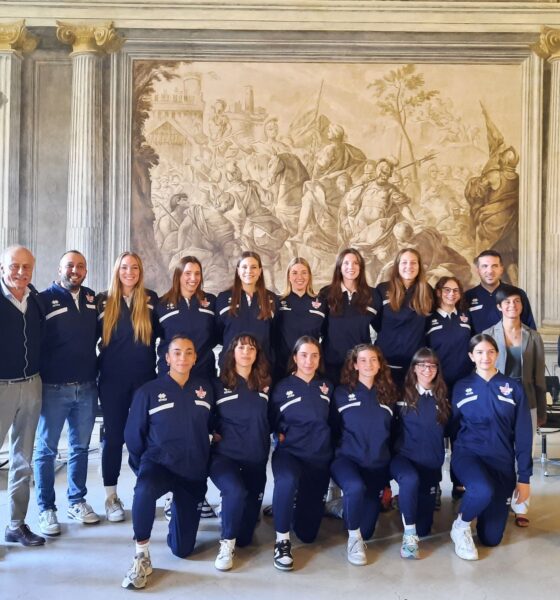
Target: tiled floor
<point>88,562</point>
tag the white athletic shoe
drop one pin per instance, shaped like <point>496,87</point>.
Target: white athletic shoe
<point>167,507</point>
<point>114,509</point>
<point>224,560</point>
<point>409,546</point>
<point>48,522</point>
<point>464,544</point>
<point>83,513</point>
<point>138,573</point>
<point>356,552</point>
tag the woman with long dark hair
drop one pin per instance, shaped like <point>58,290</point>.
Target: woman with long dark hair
<point>352,310</point>
<point>419,452</point>
<point>491,424</point>
<point>364,404</point>
<point>126,361</point>
<point>300,463</point>
<point>247,307</point>
<point>187,309</point>
<point>241,443</point>
<point>406,300</point>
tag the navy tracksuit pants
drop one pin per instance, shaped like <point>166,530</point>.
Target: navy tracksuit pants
<point>362,490</point>
<point>241,485</point>
<point>417,492</point>
<point>115,396</point>
<point>488,490</point>
<point>155,480</point>
<point>303,483</point>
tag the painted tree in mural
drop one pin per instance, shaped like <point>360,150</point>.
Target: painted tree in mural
<point>401,95</point>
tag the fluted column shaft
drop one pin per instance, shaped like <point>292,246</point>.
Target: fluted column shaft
<point>10,97</point>
<point>84,227</point>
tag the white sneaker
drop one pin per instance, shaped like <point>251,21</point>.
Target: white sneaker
<point>83,513</point>
<point>48,523</point>
<point>409,546</point>
<point>356,552</point>
<point>138,573</point>
<point>167,507</point>
<point>464,544</point>
<point>114,509</point>
<point>224,560</point>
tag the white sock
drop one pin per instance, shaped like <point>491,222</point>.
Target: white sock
<point>110,490</point>
<point>143,547</point>
<point>354,534</point>
<point>280,537</point>
<point>410,529</point>
<point>460,524</point>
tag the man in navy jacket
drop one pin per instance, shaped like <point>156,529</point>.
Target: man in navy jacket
<point>21,318</point>
<point>68,372</point>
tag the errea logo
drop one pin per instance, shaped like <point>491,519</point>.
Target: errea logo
<point>55,302</point>
<point>351,397</point>
<point>289,394</point>
<point>162,397</point>
<point>468,391</point>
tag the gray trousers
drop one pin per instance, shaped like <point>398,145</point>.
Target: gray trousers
<point>20,406</point>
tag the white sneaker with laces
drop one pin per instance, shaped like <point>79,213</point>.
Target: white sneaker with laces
<point>48,522</point>
<point>409,546</point>
<point>356,552</point>
<point>83,513</point>
<point>114,509</point>
<point>224,560</point>
<point>167,507</point>
<point>138,573</point>
<point>464,544</point>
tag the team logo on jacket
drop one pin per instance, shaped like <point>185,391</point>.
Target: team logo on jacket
<point>506,390</point>
<point>161,397</point>
<point>316,304</point>
<point>283,303</point>
<point>55,303</point>
<point>227,391</point>
<point>468,391</point>
<point>324,388</point>
<point>434,321</point>
<point>351,397</point>
<point>201,393</point>
<point>204,303</point>
<point>464,318</point>
<point>170,306</point>
<point>474,301</point>
<point>289,394</point>
<point>90,298</point>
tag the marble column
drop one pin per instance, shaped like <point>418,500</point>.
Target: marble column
<point>84,225</point>
<point>15,41</point>
<point>548,47</point>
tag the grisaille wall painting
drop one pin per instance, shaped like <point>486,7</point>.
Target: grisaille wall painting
<point>306,159</point>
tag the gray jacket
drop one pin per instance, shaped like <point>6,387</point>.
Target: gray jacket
<point>532,364</point>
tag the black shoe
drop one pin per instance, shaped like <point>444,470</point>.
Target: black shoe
<point>283,555</point>
<point>24,536</point>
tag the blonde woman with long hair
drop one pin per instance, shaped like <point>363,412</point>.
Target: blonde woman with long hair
<point>301,312</point>
<point>126,361</point>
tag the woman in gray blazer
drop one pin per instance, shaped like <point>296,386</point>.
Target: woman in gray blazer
<point>521,356</point>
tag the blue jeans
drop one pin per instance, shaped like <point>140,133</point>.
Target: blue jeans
<point>77,404</point>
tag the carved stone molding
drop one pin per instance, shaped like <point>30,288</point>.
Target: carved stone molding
<point>548,46</point>
<point>16,37</point>
<point>98,38</point>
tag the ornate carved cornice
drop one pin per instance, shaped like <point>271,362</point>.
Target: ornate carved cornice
<point>548,46</point>
<point>16,37</point>
<point>96,38</point>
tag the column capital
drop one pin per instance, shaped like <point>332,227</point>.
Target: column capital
<point>94,38</point>
<point>16,37</point>
<point>548,46</point>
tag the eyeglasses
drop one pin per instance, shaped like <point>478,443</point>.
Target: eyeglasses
<point>427,366</point>
<point>448,290</point>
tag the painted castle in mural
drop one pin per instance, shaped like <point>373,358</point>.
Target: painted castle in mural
<point>363,156</point>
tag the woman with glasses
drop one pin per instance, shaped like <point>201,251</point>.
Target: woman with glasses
<point>421,417</point>
<point>491,424</point>
<point>448,333</point>
<point>406,300</point>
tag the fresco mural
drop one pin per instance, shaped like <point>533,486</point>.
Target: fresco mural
<point>307,159</point>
